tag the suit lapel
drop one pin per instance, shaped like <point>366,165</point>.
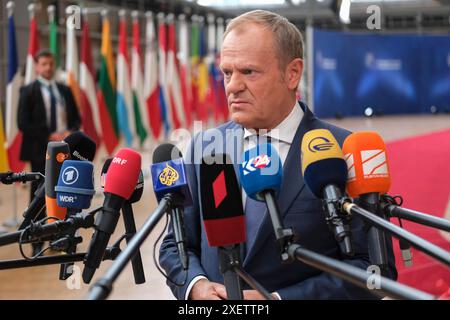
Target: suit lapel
<point>291,186</point>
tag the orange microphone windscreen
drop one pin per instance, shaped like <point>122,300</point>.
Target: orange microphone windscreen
<point>367,164</point>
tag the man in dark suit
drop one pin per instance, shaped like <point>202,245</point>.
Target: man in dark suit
<point>261,59</point>
<point>47,112</point>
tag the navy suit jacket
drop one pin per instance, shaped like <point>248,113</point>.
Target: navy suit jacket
<point>299,208</point>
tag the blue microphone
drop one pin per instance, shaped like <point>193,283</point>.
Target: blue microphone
<point>261,175</point>
<point>170,181</point>
<point>75,187</point>
<point>261,171</point>
<point>169,175</point>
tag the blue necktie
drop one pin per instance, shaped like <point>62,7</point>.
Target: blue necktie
<point>52,109</point>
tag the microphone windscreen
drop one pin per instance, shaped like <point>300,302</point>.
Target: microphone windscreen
<point>82,147</point>
<point>57,153</point>
<point>166,152</point>
<point>138,190</point>
<point>123,173</point>
<point>221,202</point>
<point>75,187</point>
<point>169,174</point>
<point>322,161</point>
<point>261,170</point>
<point>104,171</point>
<point>367,164</point>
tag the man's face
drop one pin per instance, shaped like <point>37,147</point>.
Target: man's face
<point>45,67</point>
<point>259,96</point>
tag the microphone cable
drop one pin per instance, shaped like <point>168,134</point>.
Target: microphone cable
<point>156,262</point>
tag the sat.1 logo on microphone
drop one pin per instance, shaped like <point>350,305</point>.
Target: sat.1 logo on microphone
<point>257,163</point>
<point>70,175</point>
<point>320,144</point>
<point>168,176</point>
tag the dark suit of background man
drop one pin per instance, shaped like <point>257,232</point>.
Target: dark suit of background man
<point>262,63</point>
<point>47,112</point>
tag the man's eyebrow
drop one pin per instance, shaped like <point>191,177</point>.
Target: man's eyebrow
<point>241,66</point>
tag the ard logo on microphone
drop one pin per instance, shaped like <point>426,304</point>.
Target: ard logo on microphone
<point>168,176</point>
<point>259,162</point>
<point>70,175</point>
<point>320,144</point>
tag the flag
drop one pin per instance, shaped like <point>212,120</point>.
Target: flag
<point>212,92</point>
<point>90,117</point>
<point>202,78</point>
<point>13,135</point>
<point>137,83</point>
<point>33,48</point>
<point>164,100</point>
<point>185,69</point>
<point>53,41</point>
<point>194,50</point>
<point>221,95</point>
<point>124,97</point>
<point>106,93</point>
<point>4,166</point>
<point>173,79</point>
<point>72,63</point>
<point>151,87</point>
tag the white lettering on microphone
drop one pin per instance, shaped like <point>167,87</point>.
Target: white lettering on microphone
<point>119,161</point>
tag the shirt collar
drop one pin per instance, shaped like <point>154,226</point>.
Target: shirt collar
<point>46,82</point>
<point>286,130</point>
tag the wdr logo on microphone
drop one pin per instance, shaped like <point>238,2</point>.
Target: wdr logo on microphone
<point>70,175</point>
<point>374,164</point>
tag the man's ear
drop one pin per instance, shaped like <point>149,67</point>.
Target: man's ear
<point>294,73</point>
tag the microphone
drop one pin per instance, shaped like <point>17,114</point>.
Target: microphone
<point>122,176</point>
<point>75,187</point>
<point>261,175</point>
<point>223,217</point>
<point>11,177</point>
<point>57,153</point>
<point>128,219</point>
<point>76,141</point>
<point>325,173</point>
<point>368,177</point>
<point>170,182</point>
<point>81,147</point>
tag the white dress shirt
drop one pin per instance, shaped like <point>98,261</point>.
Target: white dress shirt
<point>281,139</point>
<point>61,115</point>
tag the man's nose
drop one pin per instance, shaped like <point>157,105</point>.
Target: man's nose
<point>235,84</point>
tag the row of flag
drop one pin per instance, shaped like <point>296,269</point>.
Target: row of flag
<point>140,95</point>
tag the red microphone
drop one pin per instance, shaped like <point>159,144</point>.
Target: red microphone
<point>123,175</point>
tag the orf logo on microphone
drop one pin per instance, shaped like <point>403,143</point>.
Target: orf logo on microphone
<point>168,176</point>
<point>320,144</point>
<point>70,175</point>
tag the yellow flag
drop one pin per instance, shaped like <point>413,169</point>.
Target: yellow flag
<point>3,154</point>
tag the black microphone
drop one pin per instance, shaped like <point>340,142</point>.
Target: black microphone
<point>169,180</point>
<point>223,217</point>
<point>81,147</point>
<point>11,177</point>
<point>121,180</point>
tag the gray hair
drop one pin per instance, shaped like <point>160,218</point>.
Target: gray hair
<point>289,41</point>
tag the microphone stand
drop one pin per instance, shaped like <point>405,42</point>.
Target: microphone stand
<point>101,289</point>
<point>230,267</point>
<point>130,230</point>
<point>290,252</point>
<point>392,209</point>
<point>417,242</point>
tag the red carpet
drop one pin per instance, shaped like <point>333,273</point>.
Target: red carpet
<point>420,171</point>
